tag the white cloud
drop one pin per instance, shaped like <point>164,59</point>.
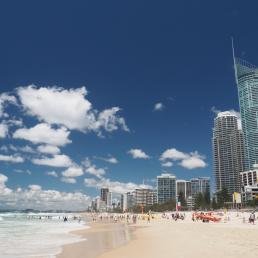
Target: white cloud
<point>173,154</point>
<point>73,171</point>
<point>109,120</point>
<point>52,173</point>
<point>167,164</point>
<point>4,148</point>
<point>11,158</point>
<point>6,98</point>
<point>109,159</point>
<point>34,197</point>
<point>190,160</point>
<point>27,171</point>
<point>92,169</point>
<point>27,149</point>
<point>35,187</point>
<point>44,133</point>
<point>193,161</point>
<point>55,161</point>
<point>68,180</point>
<point>69,108</point>
<point>14,122</point>
<point>114,186</point>
<point>98,172</point>
<point>48,149</point>
<point>3,130</point>
<point>159,106</point>
<point>138,154</point>
<point>4,190</point>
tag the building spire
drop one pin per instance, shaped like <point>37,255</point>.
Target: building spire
<point>234,58</point>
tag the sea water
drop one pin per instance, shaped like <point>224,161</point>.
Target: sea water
<point>36,235</point>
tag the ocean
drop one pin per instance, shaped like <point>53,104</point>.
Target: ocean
<point>24,235</point>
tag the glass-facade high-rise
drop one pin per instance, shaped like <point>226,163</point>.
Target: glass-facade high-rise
<point>200,185</point>
<point>228,152</point>
<point>166,188</point>
<point>247,84</point>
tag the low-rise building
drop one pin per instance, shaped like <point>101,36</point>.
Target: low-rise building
<point>249,185</point>
<point>144,197</point>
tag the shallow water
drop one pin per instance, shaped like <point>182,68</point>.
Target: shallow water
<point>25,235</point>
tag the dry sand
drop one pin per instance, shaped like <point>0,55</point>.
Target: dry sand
<point>164,238</point>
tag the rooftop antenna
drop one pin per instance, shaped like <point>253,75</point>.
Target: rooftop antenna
<point>234,58</point>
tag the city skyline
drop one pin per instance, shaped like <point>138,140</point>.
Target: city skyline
<point>115,103</point>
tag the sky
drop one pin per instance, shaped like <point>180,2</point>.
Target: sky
<point>113,93</point>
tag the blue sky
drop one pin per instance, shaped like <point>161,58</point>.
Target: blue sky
<point>117,60</point>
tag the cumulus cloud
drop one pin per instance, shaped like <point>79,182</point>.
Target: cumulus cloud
<point>173,154</point>
<point>193,162</point>
<point>70,108</point>
<point>48,149</point>
<point>73,171</point>
<point>34,197</point>
<point>109,159</point>
<point>190,160</point>
<point>26,149</point>
<point>4,148</point>
<point>14,122</point>
<point>92,169</point>
<point>43,133</point>
<point>109,120</point>
<point>11,158</point>
<point>68,180</point>
<point>27,171</point>
<point>4,190</point>
<point>52,173</point>
<point>14,148</point>
<point>55,161</point>
<point>138,154</point>
<point>3,130</point>
<point>114,186</point>
<point>6,98</point>
<point>159,106</point>
<point>167,164</point>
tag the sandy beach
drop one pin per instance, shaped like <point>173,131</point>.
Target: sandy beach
<point>100,238</point>
<point>165,238</point>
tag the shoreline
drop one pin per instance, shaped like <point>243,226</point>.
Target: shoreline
<point>99,238</point>
<point>165,238</point>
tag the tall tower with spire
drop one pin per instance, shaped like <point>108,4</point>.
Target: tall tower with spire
<point>247,84</point>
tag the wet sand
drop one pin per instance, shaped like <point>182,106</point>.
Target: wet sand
<point>100,238</point>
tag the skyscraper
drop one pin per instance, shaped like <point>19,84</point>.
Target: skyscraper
<point>200,185</point>
<point>247,85</point>
<point>104,194</point>
<point>228,152</point>
<point>184,187</point>
<point>166,188</point>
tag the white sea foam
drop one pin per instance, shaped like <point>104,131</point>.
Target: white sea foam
<point>26,235</point>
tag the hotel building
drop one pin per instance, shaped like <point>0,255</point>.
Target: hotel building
<point>166,188</point>
<point>228,152</point>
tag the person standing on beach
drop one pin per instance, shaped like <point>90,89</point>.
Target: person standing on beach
<point>252,218</point>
